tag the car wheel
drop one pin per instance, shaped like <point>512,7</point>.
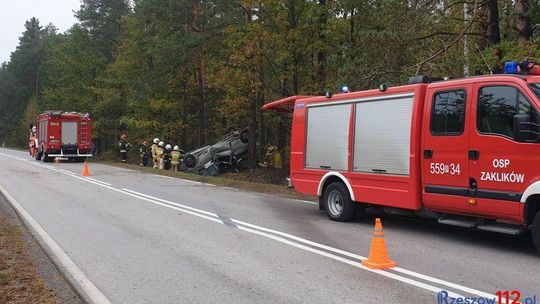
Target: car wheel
<point>244,136</point>
<point>190,160</point>
<point>337,202</point>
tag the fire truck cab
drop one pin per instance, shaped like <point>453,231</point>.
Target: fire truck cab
<point>63,134</point>
<point>465,152</point>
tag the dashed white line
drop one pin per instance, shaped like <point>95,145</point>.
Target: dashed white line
<point>65,171</point>
<point>273,234</point>
<point>172,203</point>
<point>98,181</point>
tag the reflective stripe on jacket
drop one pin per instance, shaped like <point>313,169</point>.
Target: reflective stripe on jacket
<point>175,157</point>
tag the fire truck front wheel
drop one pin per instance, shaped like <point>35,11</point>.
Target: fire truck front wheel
<point>337,202</point>
<point>536,231</point>
<point>47,158</point>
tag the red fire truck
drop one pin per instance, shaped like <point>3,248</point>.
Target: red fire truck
<point>63,134</point>
<point>464,151</point>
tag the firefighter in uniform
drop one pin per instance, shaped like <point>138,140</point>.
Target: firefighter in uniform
<point>155,158</point>
<point>143,150</point>
<point>175,158</point>
<point>124,147</point>
<point>159,153</point>
<point>32,143</point>
<point>167,157</point>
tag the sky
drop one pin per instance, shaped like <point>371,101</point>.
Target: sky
<point>14,13</point>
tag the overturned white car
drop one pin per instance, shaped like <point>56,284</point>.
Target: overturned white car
<point>225,155</point>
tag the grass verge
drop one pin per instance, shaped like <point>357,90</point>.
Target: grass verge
<point>19,278</point>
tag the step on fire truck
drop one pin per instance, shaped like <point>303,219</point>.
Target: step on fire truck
<point>465,152</point>
<point>63,134</point>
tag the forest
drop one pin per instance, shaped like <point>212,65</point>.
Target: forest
<point>188,71</point>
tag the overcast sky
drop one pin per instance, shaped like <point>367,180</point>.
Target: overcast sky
<point>15,12</point>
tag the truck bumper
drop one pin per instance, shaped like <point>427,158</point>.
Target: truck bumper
<point>70,155</point>
<point>77,154</point>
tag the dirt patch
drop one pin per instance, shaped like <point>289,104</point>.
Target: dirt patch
<point>26,273</point>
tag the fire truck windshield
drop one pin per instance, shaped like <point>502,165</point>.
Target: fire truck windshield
<point>536,89</point>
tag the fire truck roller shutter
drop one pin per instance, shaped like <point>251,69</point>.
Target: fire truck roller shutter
<point>327,139</point>
<point>382,135</point>
<point>69,133</point>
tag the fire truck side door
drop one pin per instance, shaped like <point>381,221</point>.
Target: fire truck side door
<point>445,148</point>
<point>504,166</point>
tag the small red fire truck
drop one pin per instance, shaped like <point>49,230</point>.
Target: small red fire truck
<point>464,151</point>
<point>63,134</point>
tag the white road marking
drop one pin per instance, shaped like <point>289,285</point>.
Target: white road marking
<point>229,188</point>
<point>352,263</point>
<point>189,181</point>
<point>66,171</point>
<point>88,288</point>
<point>164,176</point>
<point>265,232</point>
<point>98,181</point>
<point>172,203</point>
<point>304,201</point>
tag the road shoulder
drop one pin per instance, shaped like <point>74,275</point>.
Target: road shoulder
<point>27,274</point>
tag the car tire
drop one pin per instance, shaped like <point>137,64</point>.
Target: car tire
<point>244,136</point>
<point>536,231</point>
<point>338,203</point>
<point>190,161</point>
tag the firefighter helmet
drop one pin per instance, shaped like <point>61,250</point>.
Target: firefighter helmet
<point>161,144</point>
<point>175,148</point>
<point>156,140</point>
<point>168,147</point>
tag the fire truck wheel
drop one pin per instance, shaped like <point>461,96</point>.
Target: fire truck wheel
<point>46,158</point>
<point>536,231</point>
<point>338,203</point>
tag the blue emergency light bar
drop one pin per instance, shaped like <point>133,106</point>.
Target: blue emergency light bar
<point>511,67</point>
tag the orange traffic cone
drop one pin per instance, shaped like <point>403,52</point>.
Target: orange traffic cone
<point>378,257</point>
<point>85,171</point>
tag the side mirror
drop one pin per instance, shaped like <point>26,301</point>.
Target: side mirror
<point>521,127</point>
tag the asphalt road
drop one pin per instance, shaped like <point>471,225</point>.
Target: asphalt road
<point>144,238</point>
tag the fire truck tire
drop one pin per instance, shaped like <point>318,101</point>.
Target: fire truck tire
<point>536,231</point>
<point>47,159</point>
<point>337,202</point>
